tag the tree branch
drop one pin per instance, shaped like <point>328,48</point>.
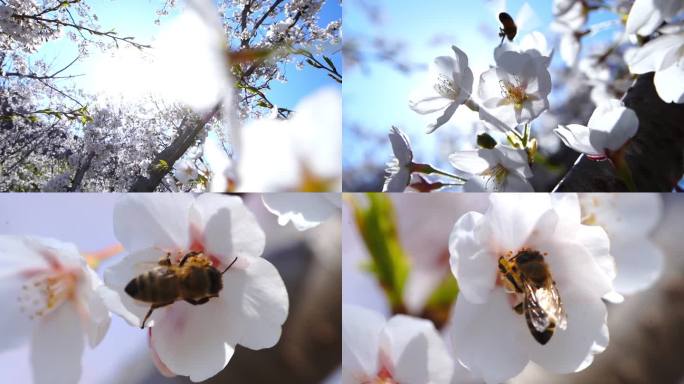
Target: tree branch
<point>655,155</point>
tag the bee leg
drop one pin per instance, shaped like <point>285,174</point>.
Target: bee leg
<point>166,261</point>
<point>152,308</point>
<point>230,265</point>
<point>197,302</point>
<point>518,308</point>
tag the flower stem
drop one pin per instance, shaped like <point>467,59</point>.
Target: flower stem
<point>429,169</point>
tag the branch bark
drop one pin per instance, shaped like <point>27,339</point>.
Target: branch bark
<point>655,155</point>
<point>168,156</point>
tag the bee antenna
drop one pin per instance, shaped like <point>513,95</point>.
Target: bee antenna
<point>230,265</point>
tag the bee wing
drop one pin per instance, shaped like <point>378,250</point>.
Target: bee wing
<point>143,267</point>
<point>543,306</point>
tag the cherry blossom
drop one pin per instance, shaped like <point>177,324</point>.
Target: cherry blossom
<point>184,338</point>
<point>302,153</point>
<point>403,349</point>
<point>184,171</point>
<point>305,211</point>
<point>399,169</point>
<point>488,336</point>
<point>516,91</point>
<point>501,169</point>
<point>609,128</point>
<point>49,295</point>
<point>663,55</point>
<point>646,16</point>
<point>629,220</point>
<point>450,85</point>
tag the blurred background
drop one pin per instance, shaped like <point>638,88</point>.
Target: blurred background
<point>646,330</point>
<point>387,49</point>
<point>309,263</point>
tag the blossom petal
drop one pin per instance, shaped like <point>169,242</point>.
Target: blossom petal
<point>57,347</point>
<point>513,217</point>
<point>12,316</point>
<point>472,161</point>
<point>229,228</point>
<point>259,293</point>
<point>398,181</point>
<point>150,219</point>
<point>443,119</point>
<point>361,329</point>
<point>474,267</point>
<point>401,146</point>
<point>649,57</point>
<point>668,83</point>
<point>185,327</point>
<point>577,137</point>
<point>97,314</point>
<point>619,122</point>
<point>568,348</point>
<point>419,353</point>
<point>477,333</point>
<point>305,211</point>
<point>639,264</point>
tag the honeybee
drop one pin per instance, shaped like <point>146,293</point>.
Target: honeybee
<point>194,280</point>
<point>528,274</point>
<point>509,28</point>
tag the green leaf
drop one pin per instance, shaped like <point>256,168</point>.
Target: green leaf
<point>389,263</point>
<point>441,300</point>
<point>313,63</point>
<point>330,63</point>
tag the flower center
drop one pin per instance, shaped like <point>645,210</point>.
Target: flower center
<point>497,174</point>
<point>384,377</point>
<point>45,292</point>
<point>446,87</point>
<point>514,92</point>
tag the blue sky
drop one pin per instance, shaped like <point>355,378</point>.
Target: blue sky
<point>377,98</point>
<point>136,18</point>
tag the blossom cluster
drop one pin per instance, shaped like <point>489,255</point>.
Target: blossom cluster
<point>570,255</point>
<point>517,127</point>
<point>53,297</point>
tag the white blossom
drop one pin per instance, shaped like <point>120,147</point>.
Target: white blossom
<point>252,304</point>
<point>450,85</point>
<point>399,169</point>
<point>647,15</point>
<point>663,55</point>
<point>402,350</point>
<point>609,128</point>
<point>516,91</point>
<point>305,211</point>
<point>501,169</point>
<point>48,294</point>
<point>488,336</point>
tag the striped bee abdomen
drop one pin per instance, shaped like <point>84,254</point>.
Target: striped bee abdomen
<point>159,285</point>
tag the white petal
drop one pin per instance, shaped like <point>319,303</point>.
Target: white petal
<point>228,228</point>
<point>258,295</point>
<point>471,263</point>
<point>97,314</point>
<point>643,18</point>
<point>668,82</point>
<point>513,218</point>
<point>639,264</point>
<point>516,183</point>
<point>488,338</point>
<point>194,340</point>
<point>427,100</point>
<point>57,347</point>
<point>441,120</point>
<point>619,122</point>
<point>577,137</point>
<point>397,182</point>
<point>567,350</point>
<point>419,353</point>
<point>361,329</point>
<point>472,161</point>
<point>650,57</point>
<point>151,219</point>
<point>514,160</point>
<point>305,211</point>
<point>401,146</point>
<point>597,242</point>
<point>12,317</point>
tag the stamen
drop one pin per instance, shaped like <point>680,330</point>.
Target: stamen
<point>514,92</point>
<point>45,292</point>
<point>496,173</point>
<point>445,87</point>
